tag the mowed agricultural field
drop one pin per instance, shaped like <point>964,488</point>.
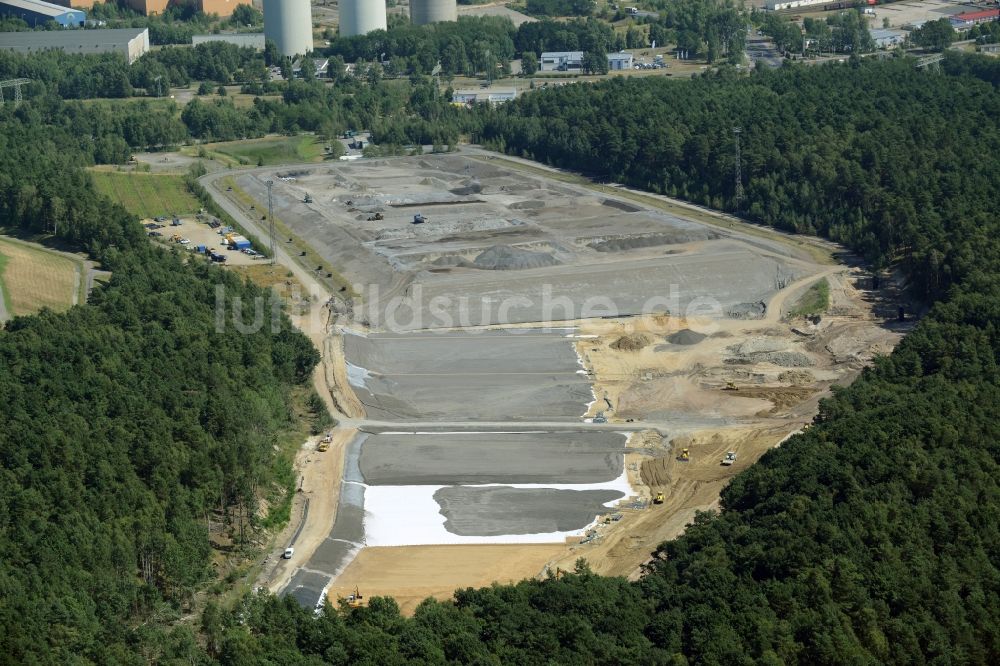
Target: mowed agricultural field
<point>147,195</point>
<point>33,278</point>
<point>270,151</point>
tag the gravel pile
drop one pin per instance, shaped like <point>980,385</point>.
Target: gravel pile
<point>507,258</point>
<point>747,311</point>
<point>685,337</point>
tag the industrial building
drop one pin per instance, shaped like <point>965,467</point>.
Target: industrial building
<point>147,7</point>
<point>423,12</point>
<point>561,61</point>
<point>36,12</point>
<point>221,8</point>
<point>966,20</point>
<point>620,61</point>
<point>288,23</point>
<point>250,40</point>
<point>470,97</point>
<point>572,61</point>
<point>130,42</point>
<point>886,38</point>
<point>359,17</point>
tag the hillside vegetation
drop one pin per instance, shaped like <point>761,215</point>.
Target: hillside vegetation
<point>129,425</point>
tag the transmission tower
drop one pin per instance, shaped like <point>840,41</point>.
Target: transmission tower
<point>16,85</point>
<point>737,170</point>
<point>270,218</point>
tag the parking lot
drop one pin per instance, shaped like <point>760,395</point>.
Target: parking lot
<point>197,233</point>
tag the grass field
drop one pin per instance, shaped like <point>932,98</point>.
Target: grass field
<point>34,278</point>
<point>815,301</point>
<point>147,195</point>
<point>270,151</point>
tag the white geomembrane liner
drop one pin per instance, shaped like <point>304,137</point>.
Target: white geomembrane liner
<point>410,516</point>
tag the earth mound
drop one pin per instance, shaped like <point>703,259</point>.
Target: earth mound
<point>685,336</point>
<point>633,342</point>
<point>507,258</point>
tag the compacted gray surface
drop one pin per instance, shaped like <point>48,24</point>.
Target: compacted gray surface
<point>498,510</point>
<point>486,376</point>
<point>481,458</point>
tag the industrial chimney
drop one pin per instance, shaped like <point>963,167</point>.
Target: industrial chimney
<point>433,11</point>
<point>359,17</point>
<point>288,23</point>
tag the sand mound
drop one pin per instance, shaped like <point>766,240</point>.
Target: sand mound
<point>506,258</point>
<point>685,337</point>
<point>633,342</point>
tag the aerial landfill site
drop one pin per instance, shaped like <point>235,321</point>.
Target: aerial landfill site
<point>529,371</point>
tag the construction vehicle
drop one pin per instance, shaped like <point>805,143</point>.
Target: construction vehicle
<point>307,199</point>
<point>324,444</point>
<point>419,219</point>
<point>355,600</point>
<point>375,217</point>
<point>730,386</point>
<point>600,418</point>
<point>684,456</point>
<point>659,499</point>
<point>729,459</point>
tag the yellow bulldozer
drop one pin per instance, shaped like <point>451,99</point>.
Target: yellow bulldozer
<point>658,499</point>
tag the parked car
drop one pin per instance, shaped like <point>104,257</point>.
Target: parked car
<point>155,233</point>
<point>184,241</point>
<point>287,555</point>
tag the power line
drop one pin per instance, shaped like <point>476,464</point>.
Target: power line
<point>16,85</point>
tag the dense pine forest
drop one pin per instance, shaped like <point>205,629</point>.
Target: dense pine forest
<point>874,537</point>
<point>129,424</point>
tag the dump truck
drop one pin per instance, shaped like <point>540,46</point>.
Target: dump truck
<point>729,459</point>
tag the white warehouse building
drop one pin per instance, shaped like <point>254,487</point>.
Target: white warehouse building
<point>572,61</point>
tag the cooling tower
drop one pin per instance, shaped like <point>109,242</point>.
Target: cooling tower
<point>359,17</point>
<point>433,11</point>
<point>288,23</point>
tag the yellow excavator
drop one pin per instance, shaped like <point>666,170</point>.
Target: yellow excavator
<point>658,499</point>
<point>355,600</point>
<point>685,455</point>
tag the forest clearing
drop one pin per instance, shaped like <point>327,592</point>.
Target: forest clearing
<point>33,277</point>
<point>147,195</point>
